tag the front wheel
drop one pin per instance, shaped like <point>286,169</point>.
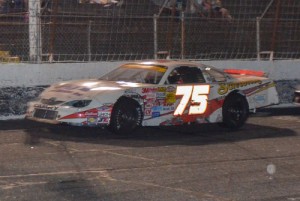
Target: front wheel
<point>235,111</point>
<point>126,117</point>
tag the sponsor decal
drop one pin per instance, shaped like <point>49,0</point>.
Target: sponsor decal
<point>161,89</point>
<point>91,120</point>
<point>149,105</point>
<point>92,113</point>
<point>103,120</point>
<point>224,88</point>
<point>155,114</point>
<point>160,102</point>
<point>150,96</point>
<point>147,112</point>
<point>259,88</point>
<point>149,90</point>
<point>106,107</point>
<point>170,98</point>
<point>157,108</point>
<point>168,108</point>
<point>171,89</point>
<point>132,94</point>
<point>160,95</point>
<point>260,99</point>
<point>104,114</point>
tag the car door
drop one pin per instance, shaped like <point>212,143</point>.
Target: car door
<point>190,92</point>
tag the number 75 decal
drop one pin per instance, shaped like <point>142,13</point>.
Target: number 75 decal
<point>196,94</point>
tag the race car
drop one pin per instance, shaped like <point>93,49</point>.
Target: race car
<point>156,93</point>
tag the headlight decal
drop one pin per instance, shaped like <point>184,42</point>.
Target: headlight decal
<point>78,103</point>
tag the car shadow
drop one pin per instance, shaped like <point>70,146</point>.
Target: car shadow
<point>155,136</point>
<point>37,133</point>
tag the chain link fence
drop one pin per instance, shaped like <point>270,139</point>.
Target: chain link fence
<point>132,31</point>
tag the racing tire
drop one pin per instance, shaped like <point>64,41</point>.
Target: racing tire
<point>126,117</point>
<point>235,111</point>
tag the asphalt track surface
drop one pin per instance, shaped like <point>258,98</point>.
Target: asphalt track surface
<point>261,161</point>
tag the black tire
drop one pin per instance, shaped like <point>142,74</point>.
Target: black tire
<point>126,117</point>
<point>235,111</point>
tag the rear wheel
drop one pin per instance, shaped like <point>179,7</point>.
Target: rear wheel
<point>235,111</point>
<point>126,117</point>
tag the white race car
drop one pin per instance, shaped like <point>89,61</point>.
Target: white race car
<point>156,93</point>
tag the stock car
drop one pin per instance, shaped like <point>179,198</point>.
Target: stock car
<point>156,93</point>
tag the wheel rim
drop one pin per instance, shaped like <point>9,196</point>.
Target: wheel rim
<point>235,113</point>
<point>125,118</point>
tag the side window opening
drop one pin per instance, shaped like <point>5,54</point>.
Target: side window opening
<point>186,75</point>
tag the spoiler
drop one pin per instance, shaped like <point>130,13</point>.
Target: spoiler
<point>245,72</point>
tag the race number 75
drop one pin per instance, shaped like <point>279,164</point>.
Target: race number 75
<point>197,95</point>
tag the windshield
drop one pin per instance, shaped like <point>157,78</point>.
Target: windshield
<point>137,73</point>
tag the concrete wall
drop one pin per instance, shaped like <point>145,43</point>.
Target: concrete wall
<point>20,83</point>
<point>46,74</point>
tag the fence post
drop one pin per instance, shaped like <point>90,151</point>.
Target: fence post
<point>35,42</point>
<point>89,40</point>
<point>182,35</point>
<point>155,35</point>
<point>258,37</point>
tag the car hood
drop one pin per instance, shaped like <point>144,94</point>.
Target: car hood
<point>85,89</point>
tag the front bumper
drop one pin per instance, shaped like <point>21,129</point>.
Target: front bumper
<point>94,117</point>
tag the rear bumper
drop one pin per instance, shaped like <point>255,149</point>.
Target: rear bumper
<point>297,97</point>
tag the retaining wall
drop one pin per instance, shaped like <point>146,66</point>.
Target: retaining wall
<point>20,83</point>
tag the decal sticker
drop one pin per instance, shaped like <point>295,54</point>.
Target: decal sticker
<point>161,89</point>
<point>103,120</point>
<point>91,120</point>
<point>196,95</point>
<point>260,99</point>
<point>150,96</point>
<point>106,107</point>
<point>148,105</point>
<point>171,89</point>
<point>160,95</point>
<point>155,114</point>
<point>157,108</point>
<point>148,90</point>
<point>168,108</point>
<point>92,113</point>
<point>259,88</point>
<point>104,114</point>
<point>170,98</point>
<point>147,112</point>
<point>226,87</point>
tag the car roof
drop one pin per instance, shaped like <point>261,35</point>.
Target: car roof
<point>168,63</point>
